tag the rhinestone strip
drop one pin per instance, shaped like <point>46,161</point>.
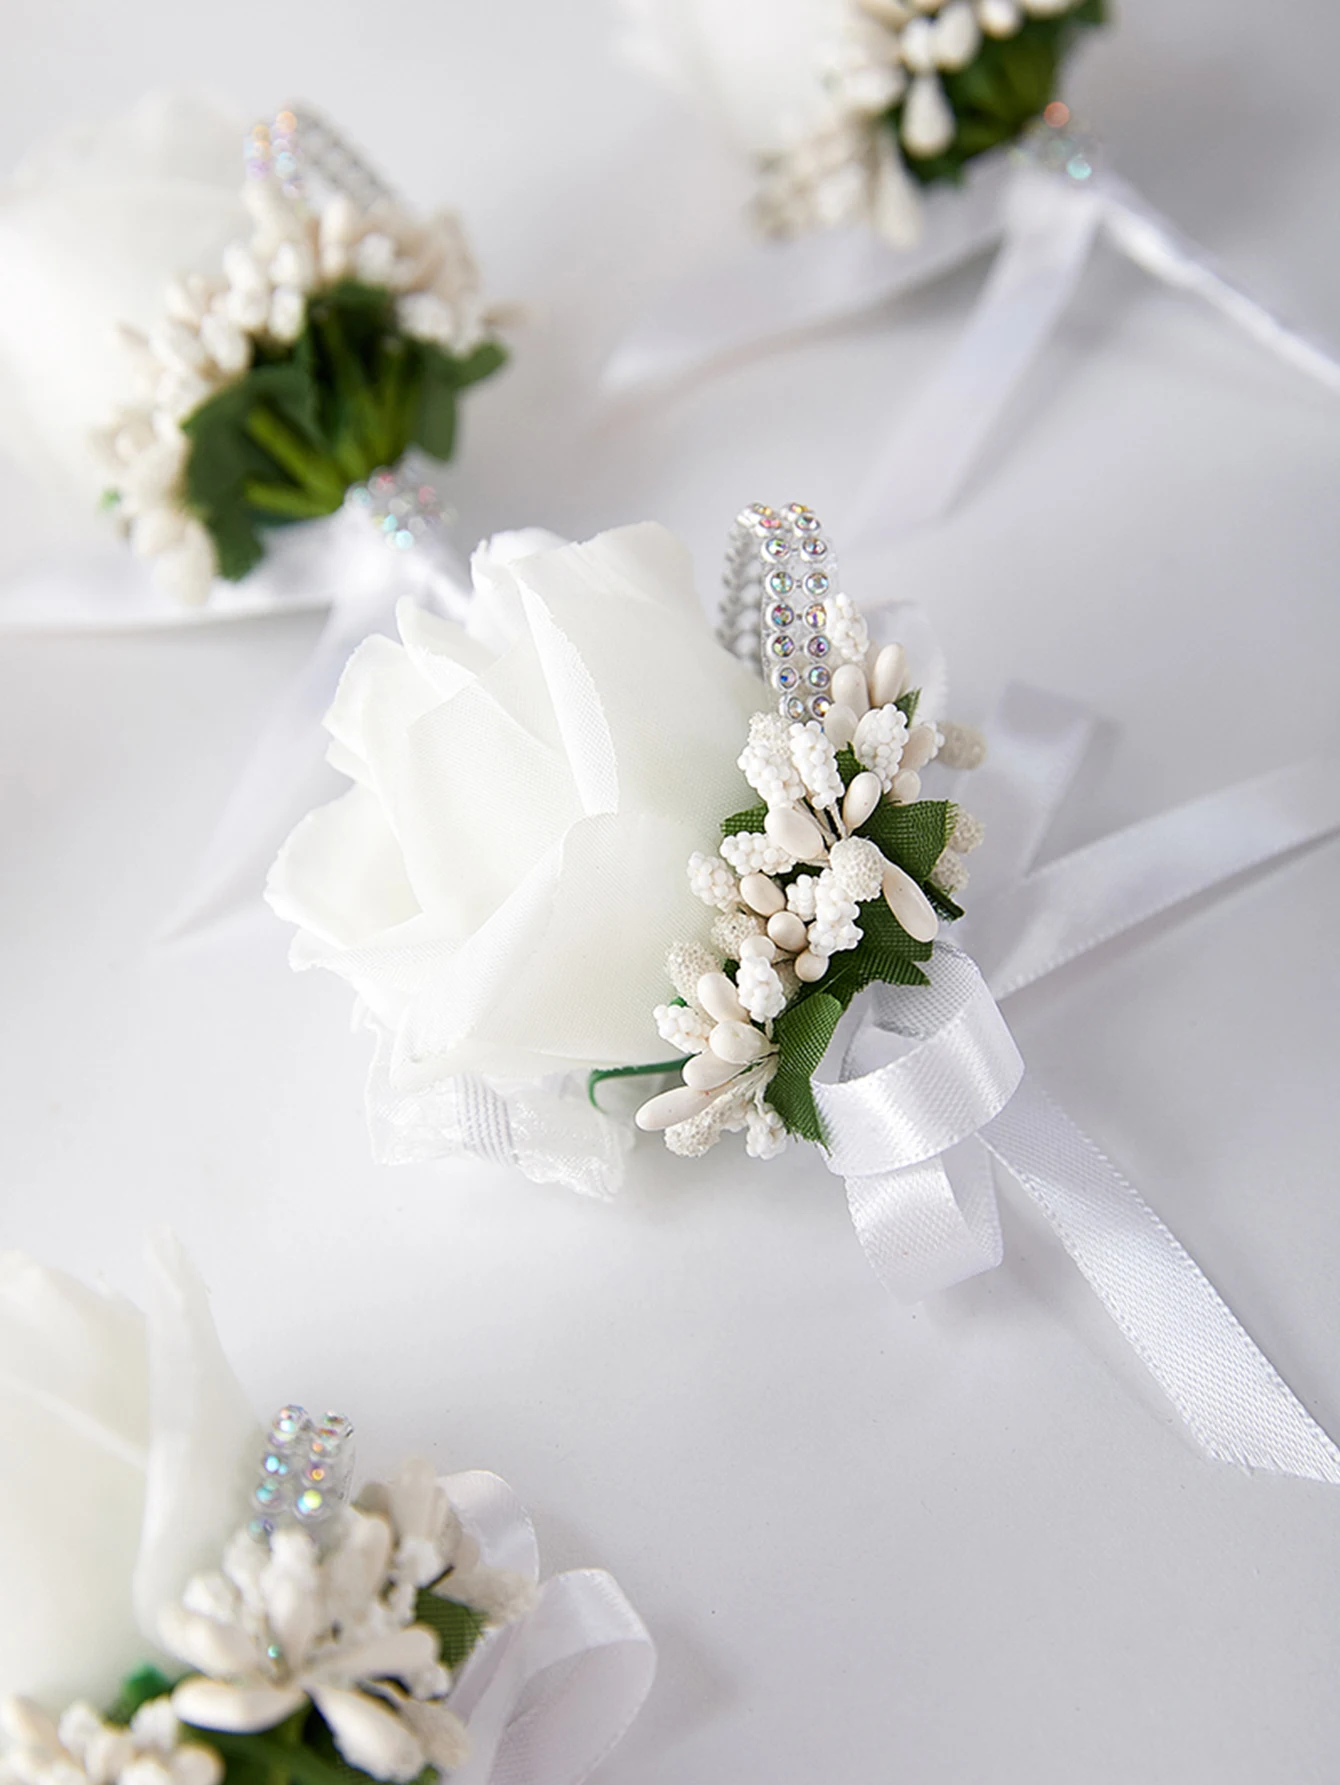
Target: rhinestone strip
<point>305,1471</point>
<point>781,572</point>
<point>300,143</point>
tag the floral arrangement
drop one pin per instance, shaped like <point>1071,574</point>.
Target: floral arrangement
<point>316,1641</point>
<point>324,1638</point>
<point>913,93</point>
<point>581,728</point>
<point>335,338</point>
<point>835,880</point>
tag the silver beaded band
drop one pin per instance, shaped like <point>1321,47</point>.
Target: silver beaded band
<point>779,581</point>
<point>305,1471</point>
<point>300,143</point>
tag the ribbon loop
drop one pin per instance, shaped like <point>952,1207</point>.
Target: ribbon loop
<point>926,1067</point>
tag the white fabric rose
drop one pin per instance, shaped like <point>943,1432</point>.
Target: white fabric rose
<point>128,1455</point>
<point>93,226</point>
<point>502,882</point>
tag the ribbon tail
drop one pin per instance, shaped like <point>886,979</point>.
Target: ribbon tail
<point>1100,891</point>
<point>1050,228</point>
<point>548,1698</point>
<point>1228,1393</point>
<point>1162,251</point>
<point>764,291</point>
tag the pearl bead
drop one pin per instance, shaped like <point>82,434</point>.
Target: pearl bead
<point>909,905</point>
<point>719,999</point>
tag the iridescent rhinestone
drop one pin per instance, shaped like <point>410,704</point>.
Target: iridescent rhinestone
<point>781,582</point>
<point>807,523</point>
<point>787,677</point>
<point>309,1502</point>
<point>782,615</point>
<point>776,547</point>
<point>314,1473</point>
<point>274,1465</point>
<point>266,1493</point>
<point>818,677</point>
<point>288,1422</point>
<point>820,705</point>
<point>336,1427</point>
<point>818,646</point>
<point>814,548</point>
<point>782,646</point>
<point>816,617</point>
<point>816,583</point>
<point>796,707</point>
<point>274,1652</point>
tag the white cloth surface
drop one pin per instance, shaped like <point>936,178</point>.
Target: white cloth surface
<point>963,1542</point>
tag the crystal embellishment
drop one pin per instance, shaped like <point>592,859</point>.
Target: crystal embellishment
<point>760,628</point>
<point>305,1471</point>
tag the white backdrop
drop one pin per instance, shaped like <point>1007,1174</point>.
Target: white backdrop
<point>966,1542</point>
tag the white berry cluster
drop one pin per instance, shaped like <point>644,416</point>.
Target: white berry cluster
<point>782,936</point>
<point>286,1621</point>
<point>211,326</point>
<point>892,52</point>
<point>82,1748</point>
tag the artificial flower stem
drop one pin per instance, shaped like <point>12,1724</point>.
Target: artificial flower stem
<point>596,1079</point>
<point>284,499</point>
<point>308,467</point>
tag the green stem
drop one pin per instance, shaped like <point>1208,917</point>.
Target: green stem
<point>598,1078</point>
<point>294,1762</point>
<point>305,464</point>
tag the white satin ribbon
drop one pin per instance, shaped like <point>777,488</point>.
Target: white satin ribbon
<point>547,1698</point>
<point>1046,222</point>
<point>930,1087</point>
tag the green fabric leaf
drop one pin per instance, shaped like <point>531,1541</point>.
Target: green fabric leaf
<point>486,359</point>
<point>751,819</point>
<point>848,767</point>
<point>140,1687</point>
<point>459,1627</point>
<point>907,704</point>
<point>914,836</point>
<point>434,426</point>
<point>802,1034</point>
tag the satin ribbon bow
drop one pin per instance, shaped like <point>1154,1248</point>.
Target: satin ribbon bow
<point>930,1090</point>
<point>547,1698</point>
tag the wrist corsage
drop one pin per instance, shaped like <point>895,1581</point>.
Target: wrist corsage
<point>505,886</point>
<point>220,332</point>
<point>296,376</point>
<point>191,1599</point>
